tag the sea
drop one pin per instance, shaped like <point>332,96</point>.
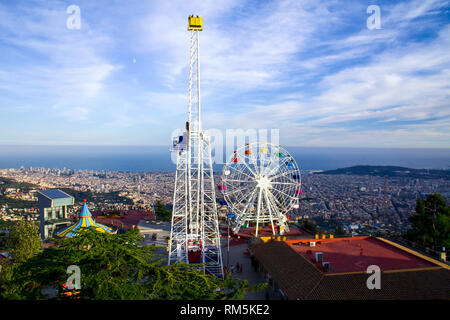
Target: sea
<point>160,159</point>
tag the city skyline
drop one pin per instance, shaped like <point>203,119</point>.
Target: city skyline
<point>347,199</point>
<point>316,71</point>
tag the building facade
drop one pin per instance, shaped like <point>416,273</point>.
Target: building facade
<point>54,206</point>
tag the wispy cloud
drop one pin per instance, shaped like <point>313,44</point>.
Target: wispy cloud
<point>55,66</point>
<point>310,68</point>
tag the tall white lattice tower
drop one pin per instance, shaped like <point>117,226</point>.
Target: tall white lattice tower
<point>194,236</point>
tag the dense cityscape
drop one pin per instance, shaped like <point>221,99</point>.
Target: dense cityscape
<point>360,204</point>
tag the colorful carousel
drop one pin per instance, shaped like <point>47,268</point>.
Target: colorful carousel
<point>86,221</point>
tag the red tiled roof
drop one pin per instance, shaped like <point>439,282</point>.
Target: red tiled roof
<point>299,278</point>
<point>295,275</point>
<point>414,285</point>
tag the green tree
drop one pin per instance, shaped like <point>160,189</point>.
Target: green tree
<point>338,231</point>
<point>309,226</point>
<point>4,226</point>
<point>116,267</point>
<point>24,241</point>
<point>430,225</point>
<point>162,212</point>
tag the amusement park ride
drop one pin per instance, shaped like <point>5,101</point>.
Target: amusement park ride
<point>194,236</point>
<point>260,183</point>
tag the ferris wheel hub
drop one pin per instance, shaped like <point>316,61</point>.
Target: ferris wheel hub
<point>263,182</point>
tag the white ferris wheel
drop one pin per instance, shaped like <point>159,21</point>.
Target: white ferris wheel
<point>261,184</point>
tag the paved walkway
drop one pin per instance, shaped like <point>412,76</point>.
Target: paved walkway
<point>248,273</point>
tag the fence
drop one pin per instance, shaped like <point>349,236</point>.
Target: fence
<point>430,252</point>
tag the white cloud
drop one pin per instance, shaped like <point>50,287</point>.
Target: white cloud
<point>64,67</point>
<point>409,84</point>
<point>238,51</point>
<point>406,11</point>
<point>306,67</point>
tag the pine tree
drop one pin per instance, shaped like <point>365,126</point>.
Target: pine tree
<point>116,267</point>
<point>24,241</point>
<point>431,222</point>
<point>162,212</point>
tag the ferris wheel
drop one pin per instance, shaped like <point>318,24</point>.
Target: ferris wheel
<point>261,183</point>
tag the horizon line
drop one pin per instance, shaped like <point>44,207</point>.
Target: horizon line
<point>168,146</point>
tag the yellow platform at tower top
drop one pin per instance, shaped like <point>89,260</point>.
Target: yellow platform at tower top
<point>195,23</point>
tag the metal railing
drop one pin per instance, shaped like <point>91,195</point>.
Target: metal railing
<point>430,252</point>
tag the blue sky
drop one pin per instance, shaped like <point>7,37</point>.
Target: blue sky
<point>309,68</point>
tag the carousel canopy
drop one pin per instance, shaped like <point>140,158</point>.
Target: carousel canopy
<point>85,221</point>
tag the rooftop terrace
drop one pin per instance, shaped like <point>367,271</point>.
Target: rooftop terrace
<point>356,254</point>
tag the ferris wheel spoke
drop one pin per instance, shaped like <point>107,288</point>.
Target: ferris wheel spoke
<point>245,174</point>
<point>256,164</point>
<point>269,166</point>
<point>287,180</point>
<point>261,164</point>
<point>241,218</point>
<point>284,183</point>
<point>276,204</point>
<point>284,174</point>
<point>280,168</point>
<point>249,169</point>
<point>283,193</point>
<point>270,211</point>
<point>239,170</point>
<point>237,181</point>
<point>293,182</point>
<point>258,211</point>
<point>282,214</point>
<point>240,200</point>
<point>239,197</point>
<point>237,190</point>
<point>242,168</point>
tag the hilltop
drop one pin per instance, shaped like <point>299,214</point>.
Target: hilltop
<point>391,171</point>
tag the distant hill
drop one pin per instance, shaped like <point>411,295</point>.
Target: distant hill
<point>391,171</point>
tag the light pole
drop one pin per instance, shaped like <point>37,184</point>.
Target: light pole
<point>228,239</point>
